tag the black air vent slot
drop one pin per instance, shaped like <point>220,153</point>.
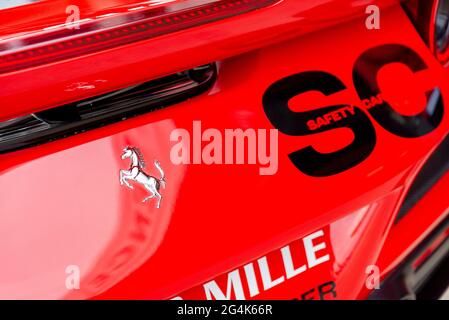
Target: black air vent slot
<point>433,170</point>
<point>98,111</point>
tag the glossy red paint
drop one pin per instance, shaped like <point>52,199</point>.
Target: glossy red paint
<point>160,56</point>
<point>62,203</point>
<point>57,43</point>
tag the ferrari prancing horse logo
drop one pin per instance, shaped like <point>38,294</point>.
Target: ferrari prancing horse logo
<point>136,173</point>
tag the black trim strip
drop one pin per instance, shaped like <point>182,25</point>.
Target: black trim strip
<point>67,120</point>
<point>433,170</point>
<point>404,282</point>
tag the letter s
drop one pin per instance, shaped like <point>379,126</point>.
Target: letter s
<point>308,160</point>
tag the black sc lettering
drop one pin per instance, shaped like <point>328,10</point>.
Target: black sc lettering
<point>308,160</point>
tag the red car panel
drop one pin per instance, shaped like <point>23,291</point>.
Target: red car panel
<point>221,228</point>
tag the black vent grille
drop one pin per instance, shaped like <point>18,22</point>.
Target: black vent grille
<point>98,111</point>
<point>433,170</point>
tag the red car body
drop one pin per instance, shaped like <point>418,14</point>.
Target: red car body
<point>223,231</point>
